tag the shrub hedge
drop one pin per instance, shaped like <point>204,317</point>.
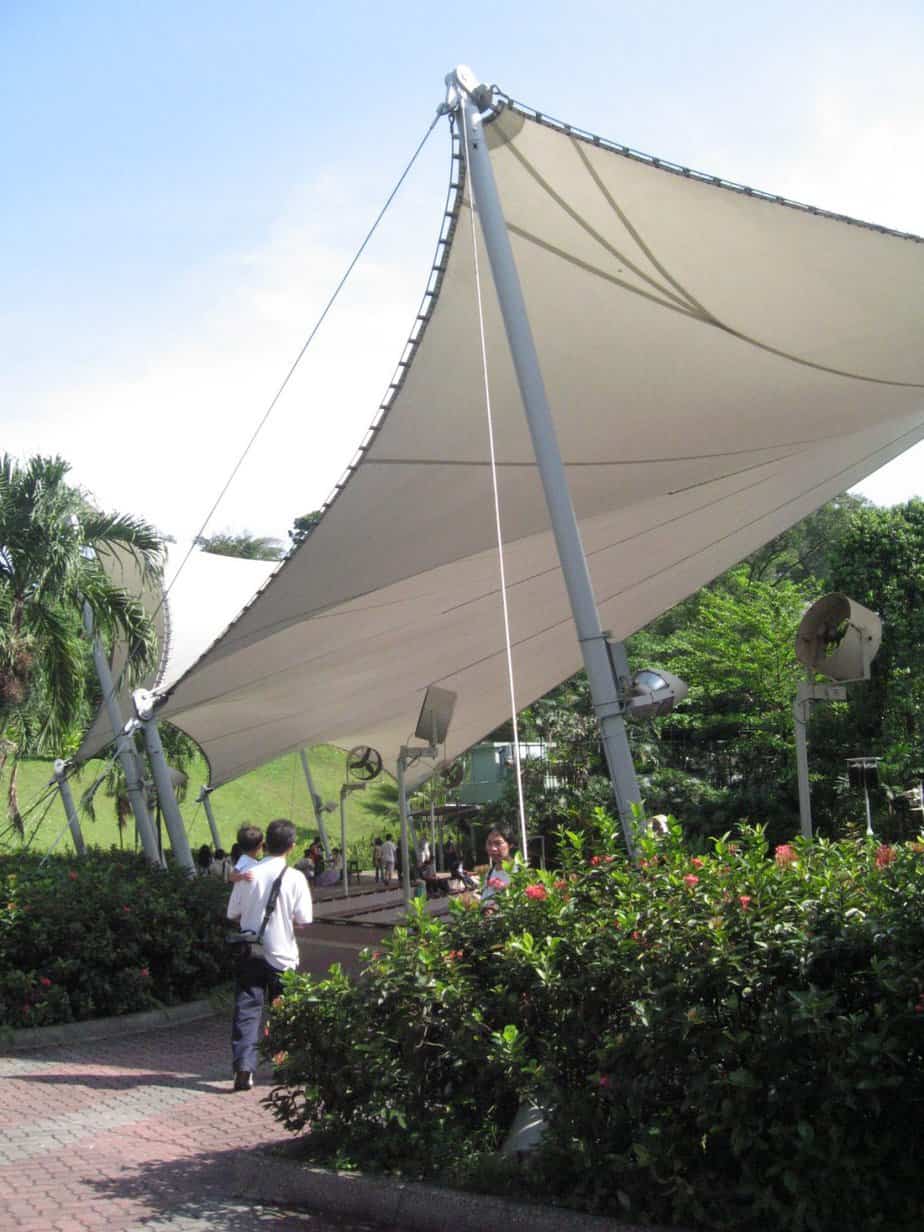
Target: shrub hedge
<point>104,935</point>
<point>733,1041</point>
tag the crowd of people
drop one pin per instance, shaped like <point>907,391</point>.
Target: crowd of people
<point>269,907</point>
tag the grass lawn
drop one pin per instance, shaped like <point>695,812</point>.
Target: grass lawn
<point>274,790</point>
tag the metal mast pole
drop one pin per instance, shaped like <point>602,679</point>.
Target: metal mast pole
<point>125,744</point>
<point>402,806</point>
<point>179,841</point>
<point>800,713</point>
<point>67,799</point>
<point>317,804</point>
<point>604,662</point>
<point>204,800</point>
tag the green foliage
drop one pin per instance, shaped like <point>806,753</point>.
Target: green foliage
<point>241,544</point>
<point>880,563</point>
<point>303,526</point>
<point>274,790</point>
<point>108,935</point>
<point>729,1040</point>
<point>53,546</point>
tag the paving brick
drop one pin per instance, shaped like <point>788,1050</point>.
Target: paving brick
<point>134,1133</point>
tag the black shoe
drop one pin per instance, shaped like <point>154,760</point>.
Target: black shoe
<point>243,1080</point>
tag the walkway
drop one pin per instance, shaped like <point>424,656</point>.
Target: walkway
<point>135,1135</point>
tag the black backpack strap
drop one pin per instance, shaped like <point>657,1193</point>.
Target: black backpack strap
<point>271,904</point>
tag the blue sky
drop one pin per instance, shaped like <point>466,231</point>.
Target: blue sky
<point>183,185</point>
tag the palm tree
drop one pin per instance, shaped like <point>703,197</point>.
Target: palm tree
<point>53,548</point>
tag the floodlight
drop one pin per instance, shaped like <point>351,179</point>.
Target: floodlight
<point>653,693</point>
<point>435,716</point>
<point>839,638</point>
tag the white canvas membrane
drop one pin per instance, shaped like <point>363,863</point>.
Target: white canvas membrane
<point>718,363</point>
<point>203,599</point>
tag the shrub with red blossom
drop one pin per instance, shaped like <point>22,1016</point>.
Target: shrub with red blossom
<point>747,1056</point>
<point>107,938</point>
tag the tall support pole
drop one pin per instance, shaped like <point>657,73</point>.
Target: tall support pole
<point>345,790</point>
<point>316,803</point>
<point>125,744</point>
<point>204,799</point>
<point>800,713</point>
<point>869,812</point>
<point>604,662</point>
<point>402,806</point>
<point>406,757</point>
<point>67,799</point>
<point>179,841</point>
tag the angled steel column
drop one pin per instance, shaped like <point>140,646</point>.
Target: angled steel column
<point>125,744</point>
<point>67,799</point>
<point>316,803</point>
<point>144,707</point>
<point>205,801</point>
<point>604,662</point>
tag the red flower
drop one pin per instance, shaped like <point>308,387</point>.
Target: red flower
<point>691,880</point>
<point>561,885</point>
<point>126,909</point>
<point>496,884</point>
<point>594,860</point>
<point>697,862</point>
<point>745,900</point>
<point>145,973</point>
<point>536,891</point>
<point>454,955</point>
<point>72,875</point>
<point>280,1058</point>
<point>884,855</point>
<point>637,936</point>
<point>785,855</point>
<point>604,1081</point>
<point>45,981</point>
<point>609,859</point>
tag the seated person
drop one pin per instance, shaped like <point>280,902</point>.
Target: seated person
<point>435,885</point>
<point>306,864</point>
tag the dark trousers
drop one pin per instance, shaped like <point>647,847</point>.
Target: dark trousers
<point>256,983</point>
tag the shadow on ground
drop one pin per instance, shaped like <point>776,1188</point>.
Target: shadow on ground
<point>200,1193</point>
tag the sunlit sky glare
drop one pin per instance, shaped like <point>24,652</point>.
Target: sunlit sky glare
<point>183,186</point>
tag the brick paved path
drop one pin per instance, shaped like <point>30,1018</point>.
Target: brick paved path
<point>135,1135</point>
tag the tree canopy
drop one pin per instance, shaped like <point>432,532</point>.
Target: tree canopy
<point>53,547</point>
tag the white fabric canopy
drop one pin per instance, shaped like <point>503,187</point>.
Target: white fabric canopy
<point>203,600</point>
<point>718,364</point>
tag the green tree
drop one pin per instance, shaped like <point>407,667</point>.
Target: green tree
<point>880,563</point>
<point>303,526</point>
<point>53,548</point>
<point>243,544</point>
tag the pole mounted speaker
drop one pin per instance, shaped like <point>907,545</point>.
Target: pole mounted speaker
<point>839,638</point>
<point>435,716</point>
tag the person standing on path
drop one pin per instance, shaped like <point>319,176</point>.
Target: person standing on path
<point>259,977</point>
<point>389,851</point>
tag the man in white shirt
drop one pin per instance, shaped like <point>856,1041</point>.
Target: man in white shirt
<point>389,851</point>
<point>258,979</point>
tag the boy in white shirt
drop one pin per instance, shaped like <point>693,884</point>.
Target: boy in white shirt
<point>250,841</point>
